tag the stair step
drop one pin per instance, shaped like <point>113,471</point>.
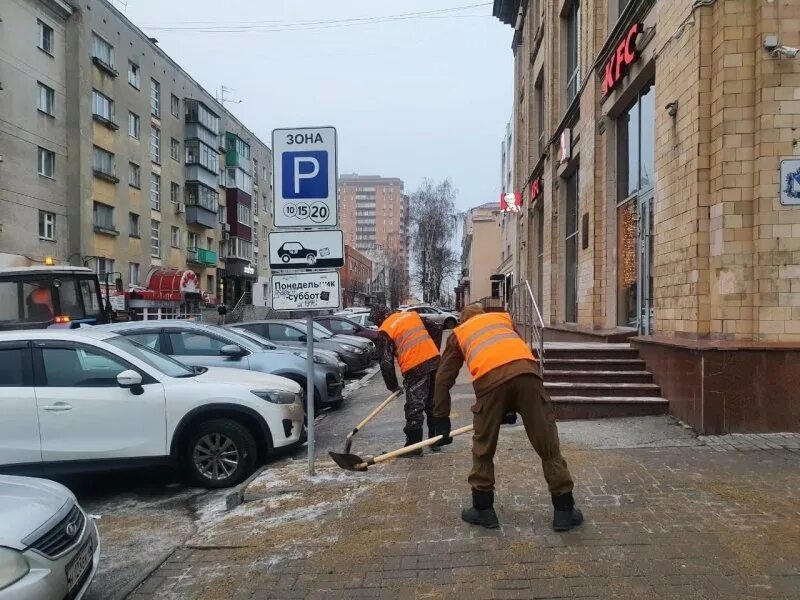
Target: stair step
<point>598,407</point>
<point>583,351</point>
<point>577,376</point>
<point>563,388</point>
<point>601,364</point>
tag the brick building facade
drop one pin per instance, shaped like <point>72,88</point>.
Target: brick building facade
<point>648,142</point>
<point>356,278</point>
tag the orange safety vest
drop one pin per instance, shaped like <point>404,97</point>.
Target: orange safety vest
<point>414,344</point>
<point>489,341</point>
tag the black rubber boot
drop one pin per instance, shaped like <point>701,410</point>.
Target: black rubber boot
<point>565,515</point>
<point>413,436</point>
<point>430,435</point>
<point>482,510</point>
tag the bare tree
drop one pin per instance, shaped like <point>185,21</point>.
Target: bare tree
<point>433,226</point>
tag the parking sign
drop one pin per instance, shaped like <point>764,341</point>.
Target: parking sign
<point>305,174</point>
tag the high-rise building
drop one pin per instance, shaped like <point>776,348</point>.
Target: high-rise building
<point>375,218</point>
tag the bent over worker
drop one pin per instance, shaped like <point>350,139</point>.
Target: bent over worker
<point>507,381</point>
<point>403,335</point>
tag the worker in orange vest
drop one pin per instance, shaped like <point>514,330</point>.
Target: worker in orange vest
<point>507,381</point>
<point>405,337</point>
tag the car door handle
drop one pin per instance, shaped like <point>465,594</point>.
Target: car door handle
<point>58,407</point>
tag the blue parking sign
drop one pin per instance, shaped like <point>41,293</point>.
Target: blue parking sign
<point>305,174</point>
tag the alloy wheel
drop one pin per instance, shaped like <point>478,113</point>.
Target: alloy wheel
<point>215,456</point>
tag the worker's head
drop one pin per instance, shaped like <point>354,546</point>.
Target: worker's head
<point>378,314</point>
<point>471,310</point>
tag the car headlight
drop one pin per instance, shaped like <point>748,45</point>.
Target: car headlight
<point>13,567</point>
<point>276,397</point>
<point>348,348</point>
<point>317,359</point>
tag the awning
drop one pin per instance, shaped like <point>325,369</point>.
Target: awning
<point>168,285</point>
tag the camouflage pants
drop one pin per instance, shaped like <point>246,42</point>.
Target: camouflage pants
<point>419,400</point>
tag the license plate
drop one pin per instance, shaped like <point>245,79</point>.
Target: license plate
<point>78,566</point>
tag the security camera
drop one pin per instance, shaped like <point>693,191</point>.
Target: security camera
<point>784,52</point>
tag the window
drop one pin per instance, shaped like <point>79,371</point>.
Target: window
<point>102,161</point>
<point>80,367</point>
<point>103,216</point>
<point>150,339</point>
<point>47,225</point>
<point>155,238</point>
<point>174,192</point>
<point>174,105</point>
<point>15,365</point>
<point>265,232</point>
<point>571,249</point>
<point>195,344</point>
<point>104,266</point>
<point>196,112</point>
<point>47,162</point>
<point>133,225</point>
<point>155,145</point>
<point>636,145</point>
<point>133,273</point>
<point>155,191</point>
<point>198,194</point>
<point>102,106</point>
<point>192,241</point>
<point>284,333</point>
<point>133,125</point>
<point>134,175</point>
<point>134,75</point>
<point>155,98</point>
<point>102,51</point>
<point>175,149</point>
<point>540,132</point>
<point>243,214</point>
<point>255,170</point>
<point>45,37</point>
<point>573,50</point>
<point>175,237</point>
<point>198,153</point>
<point>46,98</point>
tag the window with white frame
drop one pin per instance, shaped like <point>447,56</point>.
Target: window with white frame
<point>133,125</point>
<point>47,162</point>
<point>155,191</point>
<point>133,225</point>
<point>134,175</point>
<point>155,238</point>
<point>265,232</point>
<point>133,273</point>
<point>175,237</point>
<point>47,225</point>
<point>573,26</point>
<point>102,50</point>
<point>45,37</point>
<point>174,192</point>
<point>46,98</point>
<point>155,98</point>
<point>192,241</point>
<point>134,75</point>
<point>155,145</point>
<point>175,149</point>
<point>102,106</point>
<point>174,105</point>
<point>102,161</point>
<point>104,266</point>
<point>103,216</point>
<point>243,214</point>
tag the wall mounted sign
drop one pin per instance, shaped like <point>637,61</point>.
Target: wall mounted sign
<point>537,187</point>
<point>625,54</point>
<point>790,182</point>
<point>565,145</point>
<point>510,201</point>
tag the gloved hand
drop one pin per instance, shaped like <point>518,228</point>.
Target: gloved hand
<point>441,426</point>
<point>510,418</point>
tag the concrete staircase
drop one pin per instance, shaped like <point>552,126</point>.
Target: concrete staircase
<point>596,380</point>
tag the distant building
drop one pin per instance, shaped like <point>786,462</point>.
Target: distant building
<point>509,221</point>
<point>356,278</point>
<point>480,253</point>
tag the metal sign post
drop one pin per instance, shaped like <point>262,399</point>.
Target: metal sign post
<point>310,392</point>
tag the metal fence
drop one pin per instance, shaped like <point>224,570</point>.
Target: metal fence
<point>528,318</point>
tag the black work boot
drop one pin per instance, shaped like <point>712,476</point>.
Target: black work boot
<point>565,515</point>
<point>413,436</point>
<point>482,510</point>
<point>430,435</point>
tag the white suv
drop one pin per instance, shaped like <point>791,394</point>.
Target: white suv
<point>88,400</point>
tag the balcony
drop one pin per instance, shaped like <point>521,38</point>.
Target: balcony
<point>201,256</point>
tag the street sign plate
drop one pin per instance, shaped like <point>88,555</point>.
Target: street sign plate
<point>790,181</point>
<point>305,173</point>
<point>318,290</point>
<point>306,249</point>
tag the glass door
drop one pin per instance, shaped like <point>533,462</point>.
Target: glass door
<point>571,251</point>
<point>645,279</point>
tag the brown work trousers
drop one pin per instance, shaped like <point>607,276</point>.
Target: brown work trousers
<point>523,394</point>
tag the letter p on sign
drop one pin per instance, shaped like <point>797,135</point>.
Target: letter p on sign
<point>305,174</point>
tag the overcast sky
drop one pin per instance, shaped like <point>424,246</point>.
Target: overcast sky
<point>412,98</point>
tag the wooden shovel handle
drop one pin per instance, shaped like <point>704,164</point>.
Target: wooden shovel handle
<point>371,415</point>
<point>406,449</point>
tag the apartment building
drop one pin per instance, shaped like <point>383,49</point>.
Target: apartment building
<point>654,142</point>
<point>508,269</point>
<point>153,174</point>
<point>480,254</point>
<point>356,278</point>
<point>375,217</point>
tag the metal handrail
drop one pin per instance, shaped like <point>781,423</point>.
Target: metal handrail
<point>527,317</point>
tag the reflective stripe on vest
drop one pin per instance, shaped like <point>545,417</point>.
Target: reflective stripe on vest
<point>489,341</point>
<point>414,344</point>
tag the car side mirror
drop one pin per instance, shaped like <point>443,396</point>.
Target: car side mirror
<point>130,380</point>
<point>303,338</point>
<point>232,351</point>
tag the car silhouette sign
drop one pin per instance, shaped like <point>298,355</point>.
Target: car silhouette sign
<point>293,250</point>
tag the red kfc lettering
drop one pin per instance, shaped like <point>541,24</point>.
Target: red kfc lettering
<point>624,55</point>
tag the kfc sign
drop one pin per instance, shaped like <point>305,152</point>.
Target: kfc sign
<point>536,189</point>
<point>510,202</point>
<point>624,55</point>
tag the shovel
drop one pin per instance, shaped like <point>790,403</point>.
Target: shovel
<point>349,441</point>
<point>353,462</point>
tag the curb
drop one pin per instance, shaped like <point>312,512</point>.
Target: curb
<point>134,585</point>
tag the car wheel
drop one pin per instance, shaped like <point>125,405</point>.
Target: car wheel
<point>311,259</point>
<point>285,258</point>
<point>220,453</point>
<point>450,323</point>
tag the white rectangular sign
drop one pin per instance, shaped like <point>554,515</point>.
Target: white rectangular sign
<point>318,249</point>
<point>790,181</point>
<point>305,172</point>
<point>317,290</point>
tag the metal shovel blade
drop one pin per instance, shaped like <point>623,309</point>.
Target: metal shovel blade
<point>349,462</point>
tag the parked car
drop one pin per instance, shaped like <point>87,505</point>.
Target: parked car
<point>49,547</point>
<point>293,334</point>
<point>356,340</point>
<point>360,318</point>
<point>446,319</point>
<point>88,399</point>
<point>211,346</point>
<point>320,356</point>
<point>355,310</point>
<point>347,326</point>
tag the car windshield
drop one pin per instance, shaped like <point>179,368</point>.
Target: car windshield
<point>162,363</point>
<point>251,337</point>
<point>234,337</point>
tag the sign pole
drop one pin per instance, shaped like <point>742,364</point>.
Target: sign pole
<point>310,392</point>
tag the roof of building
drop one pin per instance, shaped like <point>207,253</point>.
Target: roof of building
<point>506,11</point>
